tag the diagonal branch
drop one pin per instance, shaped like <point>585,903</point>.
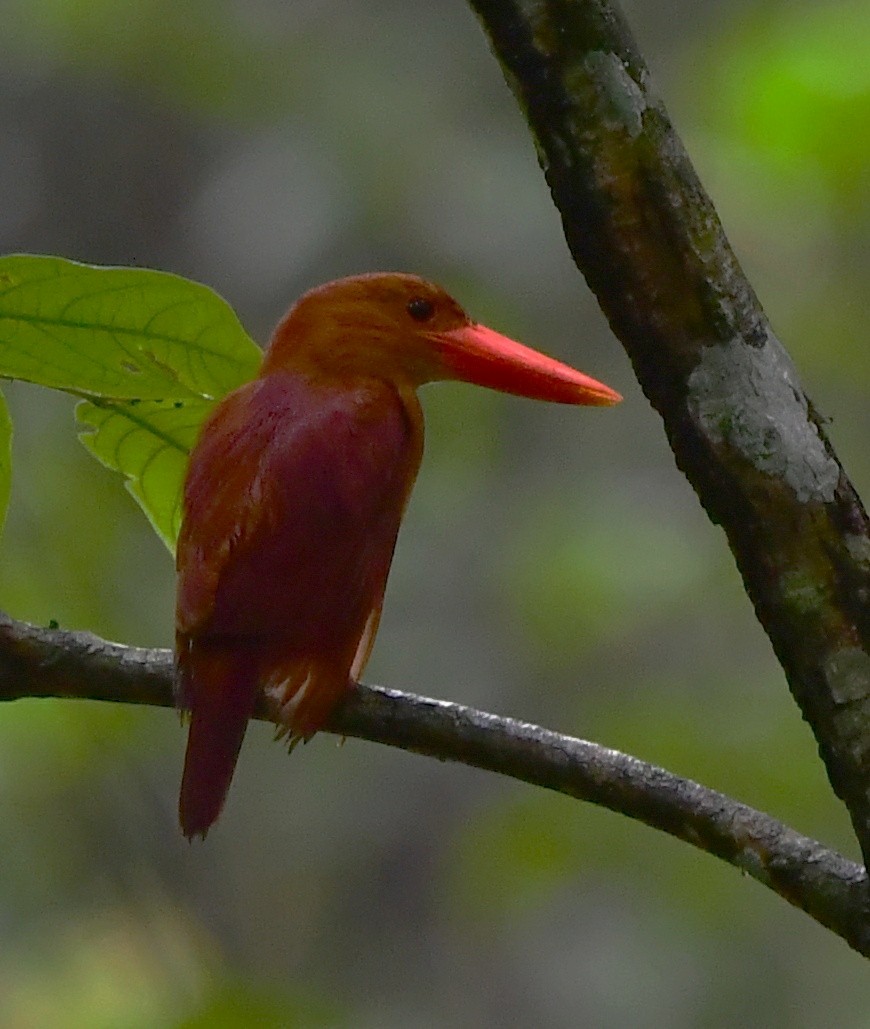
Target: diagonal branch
<point>37,662</point>
<point>645,235</point>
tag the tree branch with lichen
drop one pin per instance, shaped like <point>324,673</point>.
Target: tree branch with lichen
<point>37,662</point>
<point>648,240</point>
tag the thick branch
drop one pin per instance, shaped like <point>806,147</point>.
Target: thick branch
<point>645,235</point>
<point>38,662</point>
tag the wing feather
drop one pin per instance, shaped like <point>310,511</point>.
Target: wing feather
<point>292,506</point>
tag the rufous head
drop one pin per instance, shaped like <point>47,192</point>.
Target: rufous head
<point>404,329</point>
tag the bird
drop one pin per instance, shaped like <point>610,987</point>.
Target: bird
<point>292,501</point>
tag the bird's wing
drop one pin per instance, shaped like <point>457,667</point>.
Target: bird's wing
<point>220,503</point>
<point>292,505</point>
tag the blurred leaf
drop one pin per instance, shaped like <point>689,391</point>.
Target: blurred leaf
<point>5,459</point>
<point>118,332</point>
<point>148,443</point>
<point>118,968</point>
<point>243,1005</point>
<point>463,443</point>
<point>231,70</point>
<point>795,86</point>
<point>76,741</point>
<point>513,855</point>
<point>574,576</point>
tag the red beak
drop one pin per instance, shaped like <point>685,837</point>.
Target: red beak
<point>476,354</point>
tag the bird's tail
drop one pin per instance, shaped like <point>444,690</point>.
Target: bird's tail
<point>218,686</point>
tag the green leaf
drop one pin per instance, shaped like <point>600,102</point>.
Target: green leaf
<point>118,332</point>
<point>5,459</point>
<point>147,442</point>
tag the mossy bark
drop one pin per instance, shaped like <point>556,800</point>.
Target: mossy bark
<point>648,240</point>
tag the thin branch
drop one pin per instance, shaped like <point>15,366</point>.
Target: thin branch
<point>37,662</point>
<point>645,235</point>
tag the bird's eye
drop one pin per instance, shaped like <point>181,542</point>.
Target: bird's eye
<point>420,309</point>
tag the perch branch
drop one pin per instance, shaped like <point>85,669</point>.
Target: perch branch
<point>37,662</point>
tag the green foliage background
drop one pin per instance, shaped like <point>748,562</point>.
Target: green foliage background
<point>554,564</point>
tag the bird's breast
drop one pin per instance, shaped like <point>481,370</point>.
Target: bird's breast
<point>292,507</point>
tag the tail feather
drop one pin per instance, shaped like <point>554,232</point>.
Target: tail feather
<point>218,685</point>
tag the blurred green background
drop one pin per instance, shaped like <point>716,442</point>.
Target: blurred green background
<point>554,564</point>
